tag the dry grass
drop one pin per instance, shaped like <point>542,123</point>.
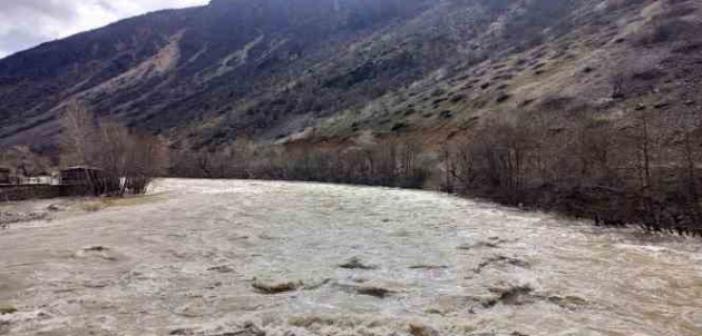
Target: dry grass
<point>97,204</point>
<point>92,206</point>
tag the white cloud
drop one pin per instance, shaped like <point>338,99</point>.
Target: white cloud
<point>26,23</point>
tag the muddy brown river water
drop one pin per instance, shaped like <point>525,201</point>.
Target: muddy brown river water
<point>252,258</point>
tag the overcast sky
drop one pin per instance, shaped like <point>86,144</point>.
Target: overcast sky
<point>27,23</point>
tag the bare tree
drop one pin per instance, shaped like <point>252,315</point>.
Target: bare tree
<point>148,158</point>
<point>690,178</point>
<point>78,135</point>
<point>121,153</point>
<point>644,150</point>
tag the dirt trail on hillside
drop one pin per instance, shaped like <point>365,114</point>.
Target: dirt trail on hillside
<point>250,258</point>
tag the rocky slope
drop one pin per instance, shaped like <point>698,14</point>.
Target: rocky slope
<point>291,70</point>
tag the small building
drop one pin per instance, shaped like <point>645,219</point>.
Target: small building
<point>5,175</point>
<point>80,175</point>
<point>85,177</point>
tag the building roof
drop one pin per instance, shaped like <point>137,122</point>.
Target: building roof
<point>80,168</point>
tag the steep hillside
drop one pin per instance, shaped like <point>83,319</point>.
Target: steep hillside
<point>600,61</point>
<point>306,70</point>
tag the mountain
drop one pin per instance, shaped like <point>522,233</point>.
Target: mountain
<point>312,70</point>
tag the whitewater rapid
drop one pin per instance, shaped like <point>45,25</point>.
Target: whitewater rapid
<point>272,258</point>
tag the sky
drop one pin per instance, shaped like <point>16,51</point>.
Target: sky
<point>27,23</point>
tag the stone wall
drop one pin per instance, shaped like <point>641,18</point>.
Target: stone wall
<point>25,192</point>
<point>41,191</point>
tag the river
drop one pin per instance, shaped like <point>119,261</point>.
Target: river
<point>256,258</point>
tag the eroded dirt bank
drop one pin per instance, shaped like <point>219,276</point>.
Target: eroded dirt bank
<point>266,258</point>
